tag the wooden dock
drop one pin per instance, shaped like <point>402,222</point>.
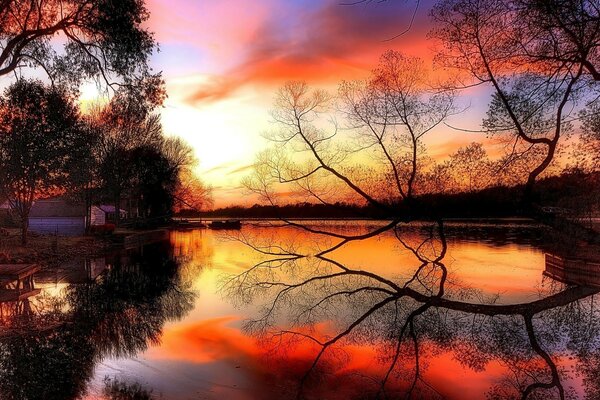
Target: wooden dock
<point>573,271</point>
<point>16,281</point>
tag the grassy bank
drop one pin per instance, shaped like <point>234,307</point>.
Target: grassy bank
<point>46,250</point>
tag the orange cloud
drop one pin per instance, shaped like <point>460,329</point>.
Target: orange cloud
<point>215,340</point>
<point>205,341</point>
<point>352,371</point>
<point>322,45</point>
<point>217,88</point>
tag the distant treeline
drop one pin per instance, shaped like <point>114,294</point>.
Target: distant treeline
<point>300,210</point>
<point>571,190</point>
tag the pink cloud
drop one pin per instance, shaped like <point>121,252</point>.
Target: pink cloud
<point>319,45</point>
<point>219,30</point>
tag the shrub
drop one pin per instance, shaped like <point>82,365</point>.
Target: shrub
<point>105,229</point>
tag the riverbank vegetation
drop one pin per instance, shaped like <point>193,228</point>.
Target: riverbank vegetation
<point>113,153</point>
<point>47,251</point>
<point>571,191</point>
<point>116,154</point>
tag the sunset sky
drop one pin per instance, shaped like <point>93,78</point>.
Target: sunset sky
<point>224,60</point>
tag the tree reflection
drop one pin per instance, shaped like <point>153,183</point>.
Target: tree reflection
<point>119,314</point>
<point>316,302</point>
<point>117,390</point>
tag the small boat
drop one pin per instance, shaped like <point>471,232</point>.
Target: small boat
<point>189,225</point>
<point>229,224</point>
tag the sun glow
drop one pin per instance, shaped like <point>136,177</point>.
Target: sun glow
<point>91,95</point>
<point>225,134</point>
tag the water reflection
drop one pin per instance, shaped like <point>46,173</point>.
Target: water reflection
<point>412,312</point>
<point>53,352</point>
<point>419,329</point>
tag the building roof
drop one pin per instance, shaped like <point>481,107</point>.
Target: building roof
<point>57,207</point>
<point>109,209</point>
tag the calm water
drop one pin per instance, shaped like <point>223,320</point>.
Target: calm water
<point>460,313</point>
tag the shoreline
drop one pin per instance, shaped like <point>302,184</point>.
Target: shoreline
<point>54,250</point>
<point>47,250</point>
<point>453,219</point>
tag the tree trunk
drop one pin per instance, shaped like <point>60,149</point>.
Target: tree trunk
<point>24,228</point>
<point>117,209</point>
<point>533,175</point>
<point>129,214</point>
<point>88,210</point>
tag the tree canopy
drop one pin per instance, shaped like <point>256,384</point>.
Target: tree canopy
<point>99,39</point>
<point>40,136</point>
<point>539,58</point>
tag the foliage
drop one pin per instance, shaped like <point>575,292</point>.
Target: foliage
<point>102,39</point>
<point>115,389</point>
<point>135,161</point>
<point>40,137</point>
<point>537,56</point>
<point>119,314</point>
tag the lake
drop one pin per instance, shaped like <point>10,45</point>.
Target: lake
<point>463,311</point>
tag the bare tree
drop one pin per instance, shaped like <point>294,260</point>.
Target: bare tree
<point>374,157</point>
<point>440,178</point>
<point>190,191</point>
<point>589,152</point>
<point>538,58</point>
<point>471,167</point>
<point>392,112</point>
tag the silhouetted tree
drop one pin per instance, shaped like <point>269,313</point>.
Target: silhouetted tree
<point>115,389</point>
<point>124,124</point>
<point>189,191</point>
<point>393,111</point>
<point>40,135</point>
<point>409,318</point>
<point>103,39</point>
<point>120,314</point>
<point>386,117</point>
<point>471,167</point>
<point>537,56</point>
<point>83,180</point>
<point>154,181</point>
<point>136,161</point>
<point>588,155</point>
<point>439,178</point>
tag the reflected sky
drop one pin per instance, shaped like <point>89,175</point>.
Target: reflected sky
<point>180,319</point>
